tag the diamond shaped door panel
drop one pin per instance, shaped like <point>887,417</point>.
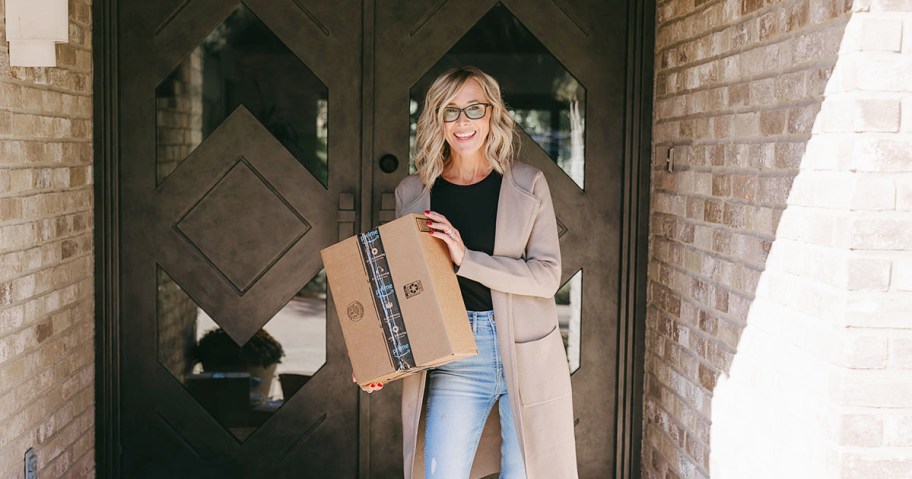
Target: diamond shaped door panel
<point>545,99</point>
<point>227,225</point>
<point>242,62</point>
<point>238,209</point>
<point>241,385</point>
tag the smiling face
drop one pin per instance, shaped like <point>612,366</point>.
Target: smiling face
<point>467,137</point>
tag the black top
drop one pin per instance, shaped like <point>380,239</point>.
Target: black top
<point>472,209</point>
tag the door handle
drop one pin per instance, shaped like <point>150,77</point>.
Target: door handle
<point>387,206</point>
<point>389,163</point>
<point>346,215</point>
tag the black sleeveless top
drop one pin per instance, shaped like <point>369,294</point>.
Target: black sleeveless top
<point>472,209</point>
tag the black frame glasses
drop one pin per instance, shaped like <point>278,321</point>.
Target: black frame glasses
<point>459,111</point>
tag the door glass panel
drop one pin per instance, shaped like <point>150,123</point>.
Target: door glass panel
<point>241,385</point>
<point>242,63</point>
<point>545,99</point>
<point>569,308</point>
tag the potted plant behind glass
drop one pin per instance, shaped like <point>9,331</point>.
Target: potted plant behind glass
<point>259,356</point>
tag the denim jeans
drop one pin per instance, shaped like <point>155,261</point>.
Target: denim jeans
<point>460,397</point>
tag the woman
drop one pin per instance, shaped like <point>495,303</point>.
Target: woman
<point>497,221</point>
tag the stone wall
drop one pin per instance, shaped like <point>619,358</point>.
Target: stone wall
<point>46,286</point>
<point>778,325</point>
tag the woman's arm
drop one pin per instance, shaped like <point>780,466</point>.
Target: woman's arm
<point>539,274</point>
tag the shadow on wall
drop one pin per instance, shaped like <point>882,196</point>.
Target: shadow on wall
<point>803,387</point>
<point>752,266</point>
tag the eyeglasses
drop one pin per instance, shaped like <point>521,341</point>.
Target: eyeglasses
<point>474,111</point>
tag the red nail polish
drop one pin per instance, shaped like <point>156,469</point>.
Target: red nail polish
<point>379,385</point>
<point>427,211</point>
<point>429,223</point>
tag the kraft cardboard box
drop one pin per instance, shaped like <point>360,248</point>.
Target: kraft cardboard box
<point>398,301</point>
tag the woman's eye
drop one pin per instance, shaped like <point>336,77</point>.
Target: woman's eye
<point>473,109</point>
<point>450,111</point>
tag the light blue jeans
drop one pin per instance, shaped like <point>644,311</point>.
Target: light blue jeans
<point>460,397</point>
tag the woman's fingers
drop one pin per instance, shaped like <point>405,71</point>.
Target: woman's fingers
<point>369,388</point>
<point>443,228</point>
<point>440,223</point>
<point>440,228</point>
<point>438,218</point>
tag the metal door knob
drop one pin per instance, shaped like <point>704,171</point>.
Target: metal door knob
<point>389,163</point>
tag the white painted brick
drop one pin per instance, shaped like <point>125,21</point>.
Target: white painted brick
<point>901,353</point>
<point>901,279</point>
<point>907,35</point>
<point>897,430</point>
<point>876,115</point>
<point>822,188</point>
<point>866,352</point>
<point>836,116</point>
<point>829,151</point>
<point>871,388</point>
<point>873,193</point>
<point>887,5</point>
<point>882,74</point>
<point>865,465</point>
<point>811,225</point>
<point>906,114</point>
<point>879,310</point>
<point>875,232</point>
<point>867,274</point>
<point>861,430</point>
<point>881,33</point>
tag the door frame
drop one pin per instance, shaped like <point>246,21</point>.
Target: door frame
<point>633,252</point>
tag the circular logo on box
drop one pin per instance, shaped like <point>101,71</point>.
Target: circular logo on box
<point>355,311</point>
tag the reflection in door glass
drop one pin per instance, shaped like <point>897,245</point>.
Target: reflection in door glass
<point>242,386</point>
<point>544,98</point>
<point>569,308</point>
<point>242,63</point>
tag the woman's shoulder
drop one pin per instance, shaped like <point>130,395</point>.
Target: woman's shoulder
<point>525,176</point>
<point>410,186</point>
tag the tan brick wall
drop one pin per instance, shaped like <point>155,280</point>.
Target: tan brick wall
<point>47,369</point>
<point>778,328</point>
<point>179,124</point>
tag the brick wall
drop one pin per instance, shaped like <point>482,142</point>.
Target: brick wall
<point>179,114</point>
<point>778,326</point>
<point>46,285</point>
<point>179,125</point>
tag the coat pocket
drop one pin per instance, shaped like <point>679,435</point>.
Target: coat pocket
<point>544,374</point>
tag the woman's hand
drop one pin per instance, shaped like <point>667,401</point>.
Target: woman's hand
<point>443,229</point>
<point>370,387</point>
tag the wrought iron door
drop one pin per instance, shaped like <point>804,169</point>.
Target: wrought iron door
<point>240,129</point>
<point>238,138</point>
<point>561,67</point>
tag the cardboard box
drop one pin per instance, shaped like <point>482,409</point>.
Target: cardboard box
<point>398,301</point>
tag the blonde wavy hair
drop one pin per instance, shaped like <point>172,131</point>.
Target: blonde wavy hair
<point>432,152</point>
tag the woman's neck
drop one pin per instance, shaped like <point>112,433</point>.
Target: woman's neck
<point>465,170</point>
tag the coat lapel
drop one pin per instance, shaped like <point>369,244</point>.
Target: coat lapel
<point>515,212</point>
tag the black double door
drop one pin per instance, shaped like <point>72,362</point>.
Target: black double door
<point>252,134</point>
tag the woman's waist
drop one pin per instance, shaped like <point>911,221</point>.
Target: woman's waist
<point>482,322</point>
